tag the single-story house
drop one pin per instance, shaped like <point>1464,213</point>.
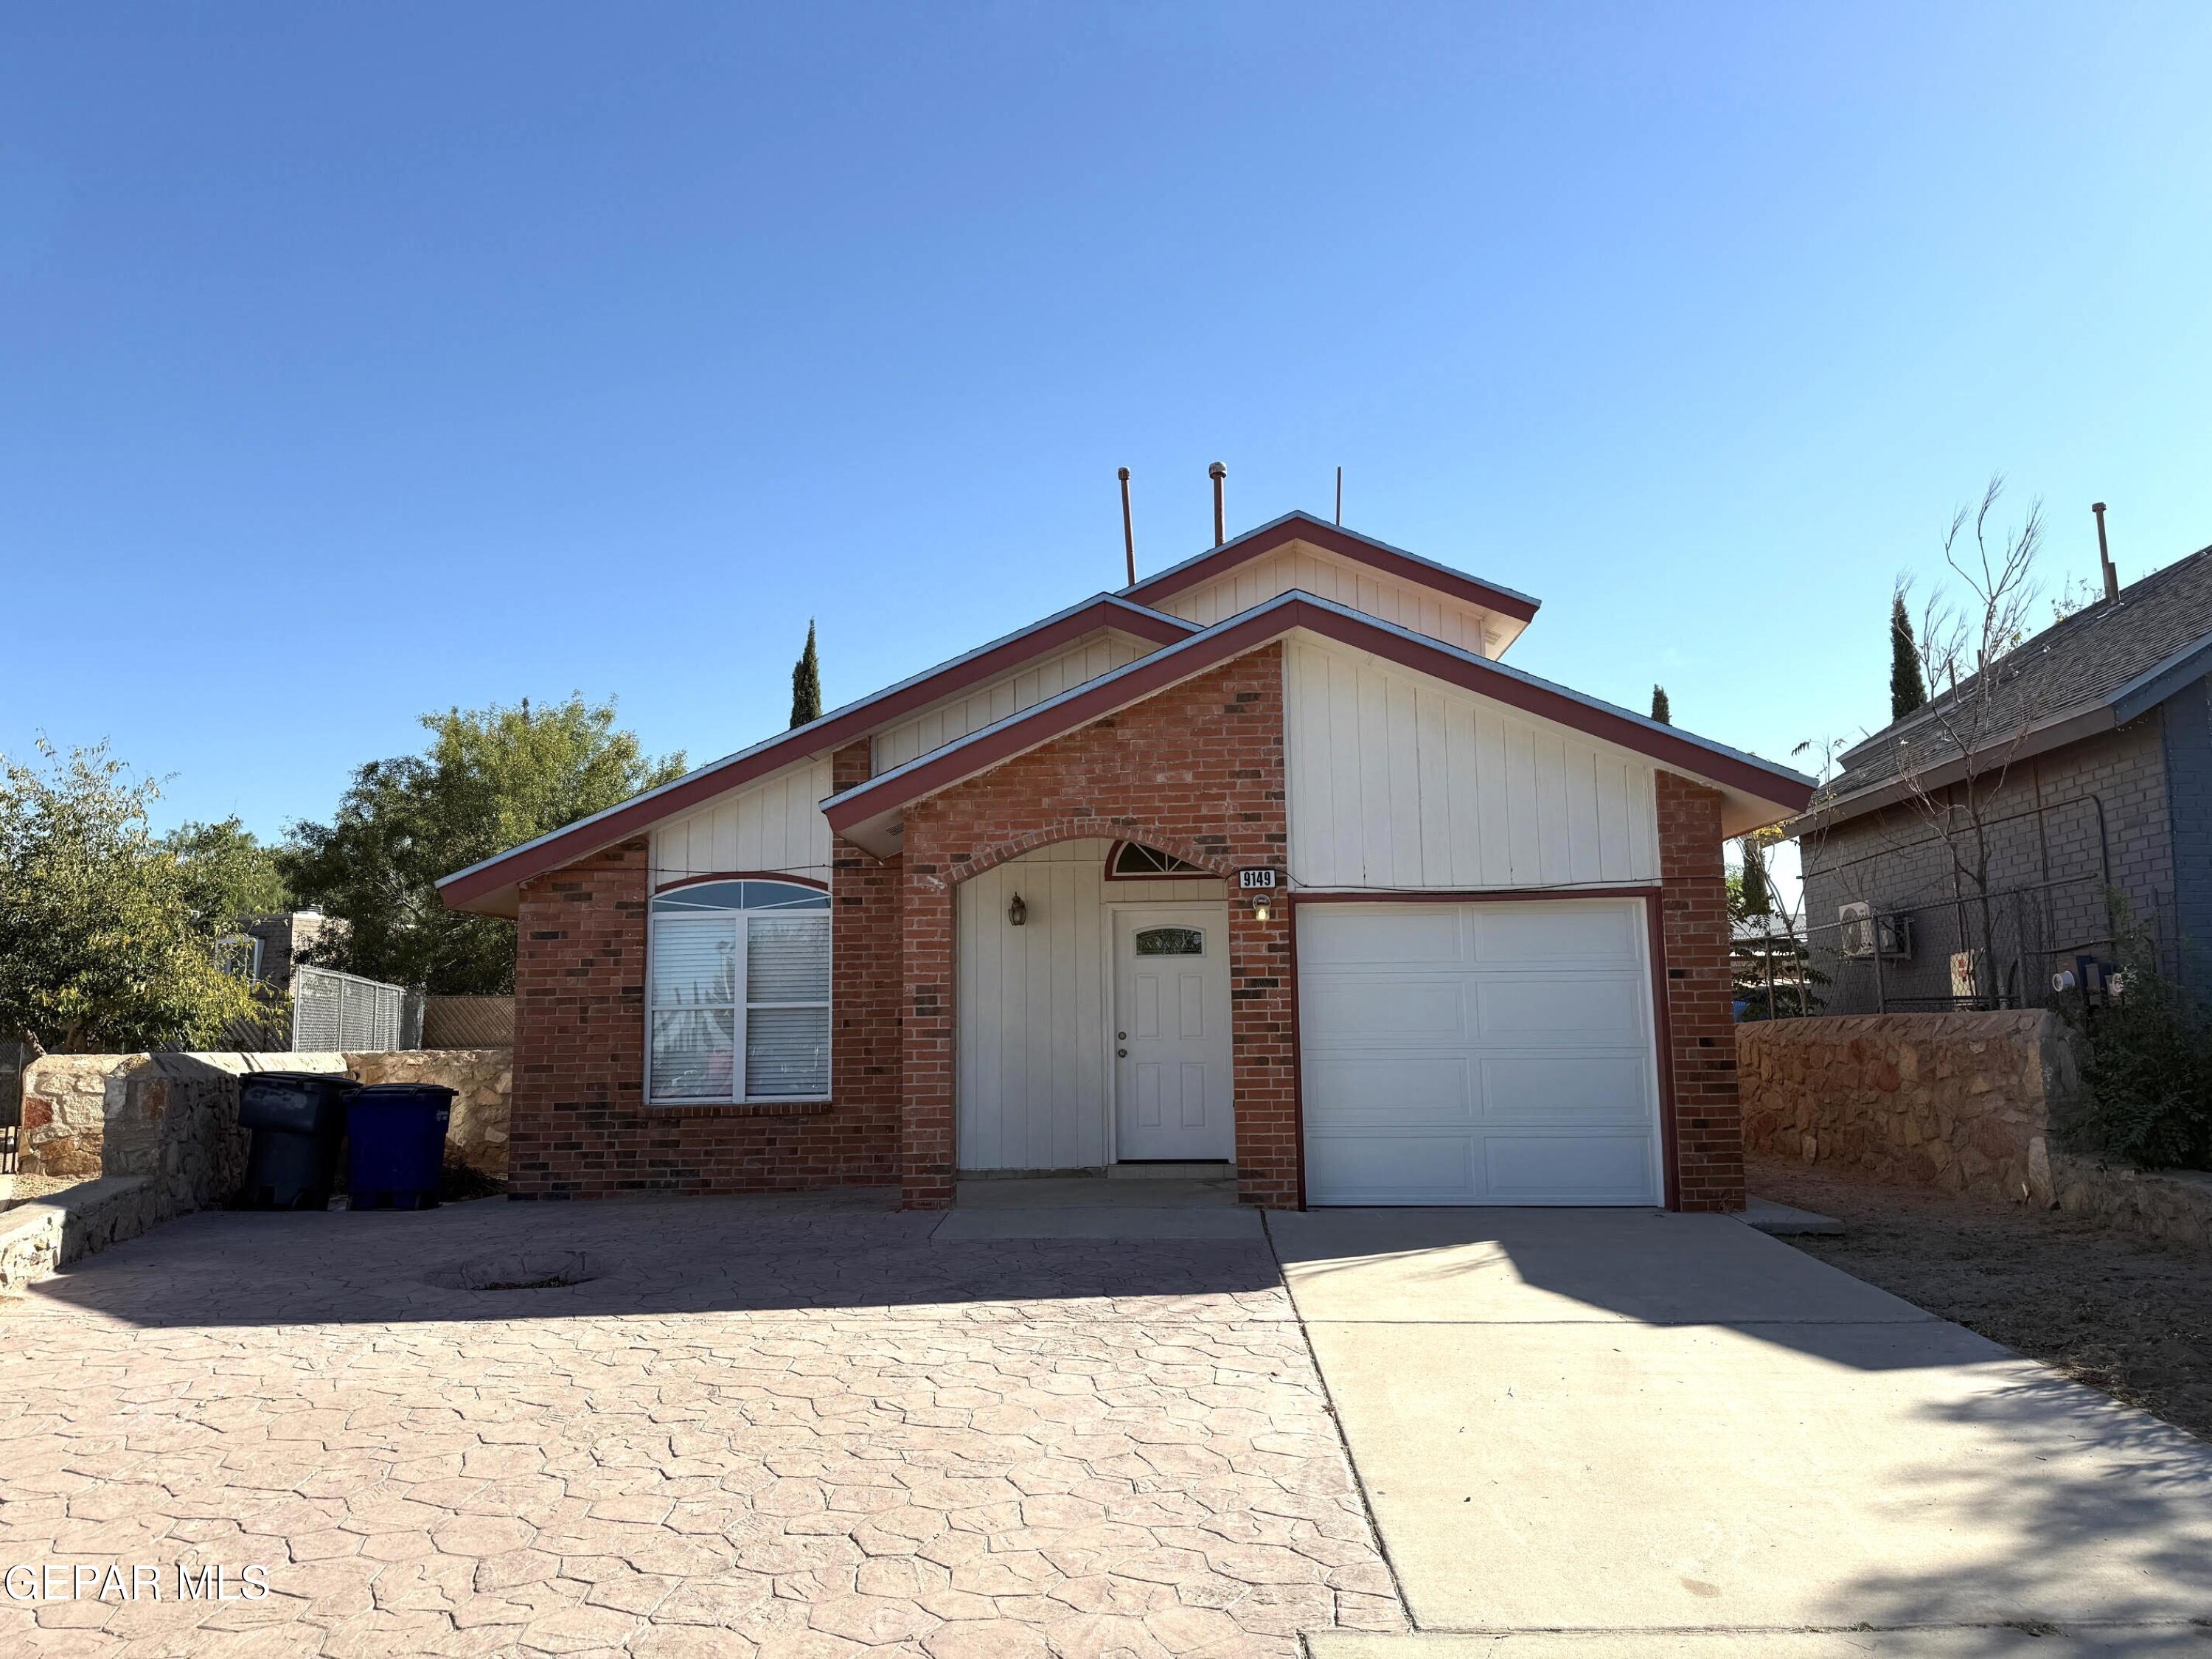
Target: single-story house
<point>1266,861</point>
<point>2093,761</point>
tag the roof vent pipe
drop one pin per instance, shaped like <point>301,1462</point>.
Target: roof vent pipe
<point>2105,554</point>
<point>1217,472</point>
<point>1128,530</point>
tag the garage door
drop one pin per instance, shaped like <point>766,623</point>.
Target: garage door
<point>1478,1054</point>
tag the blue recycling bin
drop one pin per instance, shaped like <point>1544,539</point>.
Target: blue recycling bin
<point>396,1144</point>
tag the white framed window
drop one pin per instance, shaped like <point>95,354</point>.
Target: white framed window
<point>738,993</point>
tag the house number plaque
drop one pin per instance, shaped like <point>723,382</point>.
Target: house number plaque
<point>1248,880</point>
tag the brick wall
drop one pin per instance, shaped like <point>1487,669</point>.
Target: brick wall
<point>580,1126</point>
<point>2186,728</point>
<point>1196,771</point>
<point>1700,1038</point>
<point>1892,860</point>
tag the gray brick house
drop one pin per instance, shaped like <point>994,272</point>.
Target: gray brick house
<point>2100,761</point>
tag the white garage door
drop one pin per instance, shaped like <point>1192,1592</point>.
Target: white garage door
<point>1478,1054</point>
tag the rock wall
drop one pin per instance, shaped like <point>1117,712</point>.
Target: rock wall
<point>175,1117</point>
<point>1957,1101</point>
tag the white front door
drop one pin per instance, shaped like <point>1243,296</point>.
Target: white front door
<point>1172,1089</point>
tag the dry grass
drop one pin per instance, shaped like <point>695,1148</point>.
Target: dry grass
<point>2130,1315</point>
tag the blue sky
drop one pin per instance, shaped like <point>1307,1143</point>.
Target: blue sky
<point>358,361</point>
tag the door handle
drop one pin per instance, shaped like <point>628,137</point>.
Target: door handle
<point>1120,1054</point>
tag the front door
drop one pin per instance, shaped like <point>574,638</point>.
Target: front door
<point>1172,1091</point>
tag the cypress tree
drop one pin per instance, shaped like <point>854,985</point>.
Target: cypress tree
<point>807,682</point>
<point>1907,689</point>
<point>1660,711</point>
<point>1758,897</point>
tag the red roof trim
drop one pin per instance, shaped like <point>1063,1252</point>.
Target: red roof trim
<point>857,720</point>
<point>1330,539</point>
<point>1022,733</point>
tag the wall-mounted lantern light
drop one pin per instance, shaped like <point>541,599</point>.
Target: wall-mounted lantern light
<point>1261,911</point>
<point>1017,913</point>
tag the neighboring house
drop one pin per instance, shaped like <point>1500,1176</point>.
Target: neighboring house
<point>2099,753</point>
<point>1265,859</point>
<point>269,946</point>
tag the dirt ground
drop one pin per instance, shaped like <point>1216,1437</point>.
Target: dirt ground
<point>2130,1315</point>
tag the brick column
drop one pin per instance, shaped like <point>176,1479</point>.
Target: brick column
<point>1700,1018</point>
<point>926,1127</point>
<point>864,1010</point>
<point>579,1021</point>
<point>1263,1039</point>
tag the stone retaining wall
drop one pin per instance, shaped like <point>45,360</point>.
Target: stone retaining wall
<point>175,1117</point>
<point>1957,1101</point>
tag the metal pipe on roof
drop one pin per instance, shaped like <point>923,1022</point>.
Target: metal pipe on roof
<point>2105,554</point>
<point>1217,472</point>
<point>1128,530</point>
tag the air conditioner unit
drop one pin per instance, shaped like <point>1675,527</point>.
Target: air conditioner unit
<point>1865,933</point>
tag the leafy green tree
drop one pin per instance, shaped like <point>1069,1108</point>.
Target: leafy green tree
<point>490,779</point>
<point>1907,689</point>
<point>233,874</point>
<point>110,942</point>
<point>807,682</point>
<point>1660,711</point>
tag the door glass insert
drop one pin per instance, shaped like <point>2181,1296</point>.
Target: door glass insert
<point>1171,942</point>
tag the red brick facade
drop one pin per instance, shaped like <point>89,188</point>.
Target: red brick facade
<point>1700,1035</point>
<point>580,1128</point>
<point>1196,771</point>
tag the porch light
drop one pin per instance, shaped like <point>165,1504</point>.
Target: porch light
<point>1017,913</point>
<point>1261,911</point>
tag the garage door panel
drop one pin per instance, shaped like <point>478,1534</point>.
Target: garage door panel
<point>1611,1090</point>
<point>1375,1010</point>
<point>1367,1090</point>
<point>1580,1010</point>
<point>1355,935</point>
<point>1568,1168</point>
<point>1497,1053</point>
<point>1550,933</point>
<point>1391,1169</point>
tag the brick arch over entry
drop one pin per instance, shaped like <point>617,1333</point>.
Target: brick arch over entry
<point>976,861</point>
<point>1195,770</point>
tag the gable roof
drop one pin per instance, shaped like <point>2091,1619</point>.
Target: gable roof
<point>488,885</point>
<point>1278,534</point>
<point>864,812</point>
<point>2098,669</point>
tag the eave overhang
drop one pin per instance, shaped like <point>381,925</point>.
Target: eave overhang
<point>492,886</point>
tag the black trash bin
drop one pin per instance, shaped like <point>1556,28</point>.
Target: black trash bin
<point>298,1119</point>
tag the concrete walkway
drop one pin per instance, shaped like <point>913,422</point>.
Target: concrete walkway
<point>1604,1433</point>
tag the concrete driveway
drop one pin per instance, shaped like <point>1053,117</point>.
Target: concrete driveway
<point>781,1427</point>
<point>1680,1432</point>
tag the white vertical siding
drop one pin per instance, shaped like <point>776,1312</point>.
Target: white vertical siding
<point>1032,1004</point>
<point>775,823</point>
<point>1326,576</point>
<point>1397,780</point>
<point>1101,654</point>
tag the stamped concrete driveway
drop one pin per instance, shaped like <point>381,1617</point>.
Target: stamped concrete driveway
<point>1600,1433</point>
<point>776,1426</point>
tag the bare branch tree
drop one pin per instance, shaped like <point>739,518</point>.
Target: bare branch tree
<point>1954,764</point>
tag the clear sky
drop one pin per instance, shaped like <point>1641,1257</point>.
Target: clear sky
<point>361,361</point>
